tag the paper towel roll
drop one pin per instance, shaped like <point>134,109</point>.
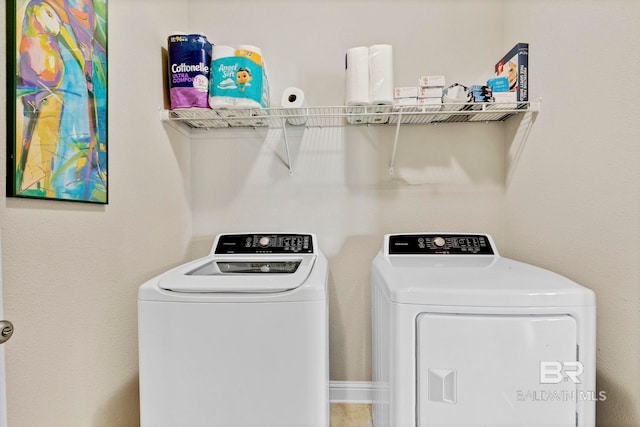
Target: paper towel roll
<point>216,83</point>
<point>381,74</point>
<point>293,104</point>
<point>380,81</point>
<point>357,76</point>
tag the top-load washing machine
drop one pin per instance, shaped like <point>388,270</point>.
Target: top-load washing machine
<point>465,337</point>
<point>237,338</point>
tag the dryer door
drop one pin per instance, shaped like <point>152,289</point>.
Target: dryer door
<point>496,370</point>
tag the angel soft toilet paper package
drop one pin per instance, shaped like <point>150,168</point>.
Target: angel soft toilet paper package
<point>239,79</point>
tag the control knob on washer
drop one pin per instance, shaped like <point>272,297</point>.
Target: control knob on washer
<point>264,241</point>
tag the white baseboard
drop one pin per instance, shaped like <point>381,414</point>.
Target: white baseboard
<point>350,391</point>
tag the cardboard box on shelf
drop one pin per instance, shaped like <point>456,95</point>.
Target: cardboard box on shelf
<point>515,67</point>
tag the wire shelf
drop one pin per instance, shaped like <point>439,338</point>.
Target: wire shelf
<point>336,116</point>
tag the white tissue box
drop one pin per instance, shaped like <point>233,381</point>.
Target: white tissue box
<point>405,92</point>
<point>430,101</point>
<point>430,92</point>
<point>431,81</point>
<point>505,97</point>
<point>405,101</point>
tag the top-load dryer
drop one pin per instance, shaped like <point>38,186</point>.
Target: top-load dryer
<point>238,338</point>
<point>465,337</point>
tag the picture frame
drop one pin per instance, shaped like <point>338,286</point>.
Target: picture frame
<point>57,100</point>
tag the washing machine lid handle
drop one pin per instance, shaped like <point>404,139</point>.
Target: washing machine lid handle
<point>240,274</point>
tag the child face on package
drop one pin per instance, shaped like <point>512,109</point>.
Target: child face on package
<point>243,77</point>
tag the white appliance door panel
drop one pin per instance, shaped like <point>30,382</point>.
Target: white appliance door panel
<point>233,365</point>
<point>485,370</point>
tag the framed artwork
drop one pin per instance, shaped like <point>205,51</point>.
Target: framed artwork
<point>57,100</point>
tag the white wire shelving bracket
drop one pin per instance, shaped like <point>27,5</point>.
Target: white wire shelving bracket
<point>201,120</point>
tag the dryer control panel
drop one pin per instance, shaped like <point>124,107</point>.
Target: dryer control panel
<point>440,244</point>
<point>264,244</point>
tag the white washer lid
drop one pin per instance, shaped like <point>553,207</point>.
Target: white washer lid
<point>240,274</point>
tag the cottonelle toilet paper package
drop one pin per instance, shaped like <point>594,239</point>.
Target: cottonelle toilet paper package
<point>189,62</point>
<point>293,104</point>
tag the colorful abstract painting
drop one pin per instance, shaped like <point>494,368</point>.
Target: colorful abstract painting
<point>57,101</point>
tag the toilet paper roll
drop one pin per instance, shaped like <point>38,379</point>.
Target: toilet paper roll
<point>357,76</point>
<point>381,74</point>
<point>293,104</point>
<point>219,81</point>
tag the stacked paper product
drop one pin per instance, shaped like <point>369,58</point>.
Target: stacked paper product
<point>425,97</point>
<point>239,86</point>
<point>405,100</point>
<point>189,63</point>
<point>430,92</point>
<point>369,83</point>
<point>410,107</point>
<point>404,92</point>
<point>431,81</point>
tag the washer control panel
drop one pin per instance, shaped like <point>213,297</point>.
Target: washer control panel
<point>264,244</point>
<point>440,244</point>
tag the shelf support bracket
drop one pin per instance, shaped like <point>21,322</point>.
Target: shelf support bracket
<point>395,143</point>
<point>286,145</point>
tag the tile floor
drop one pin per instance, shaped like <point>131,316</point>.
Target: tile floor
<point>351,415</point>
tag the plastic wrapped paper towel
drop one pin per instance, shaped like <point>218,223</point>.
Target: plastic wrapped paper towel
<point>357,83</point>
<point>369,83</point>
<point>380,82</point>
<point>357,76</point>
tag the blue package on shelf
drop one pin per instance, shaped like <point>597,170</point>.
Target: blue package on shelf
<point>499,84</point>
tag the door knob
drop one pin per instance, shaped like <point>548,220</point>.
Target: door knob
<point>6,330</point>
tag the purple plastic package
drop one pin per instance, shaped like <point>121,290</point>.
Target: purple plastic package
<point>189,62</point>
